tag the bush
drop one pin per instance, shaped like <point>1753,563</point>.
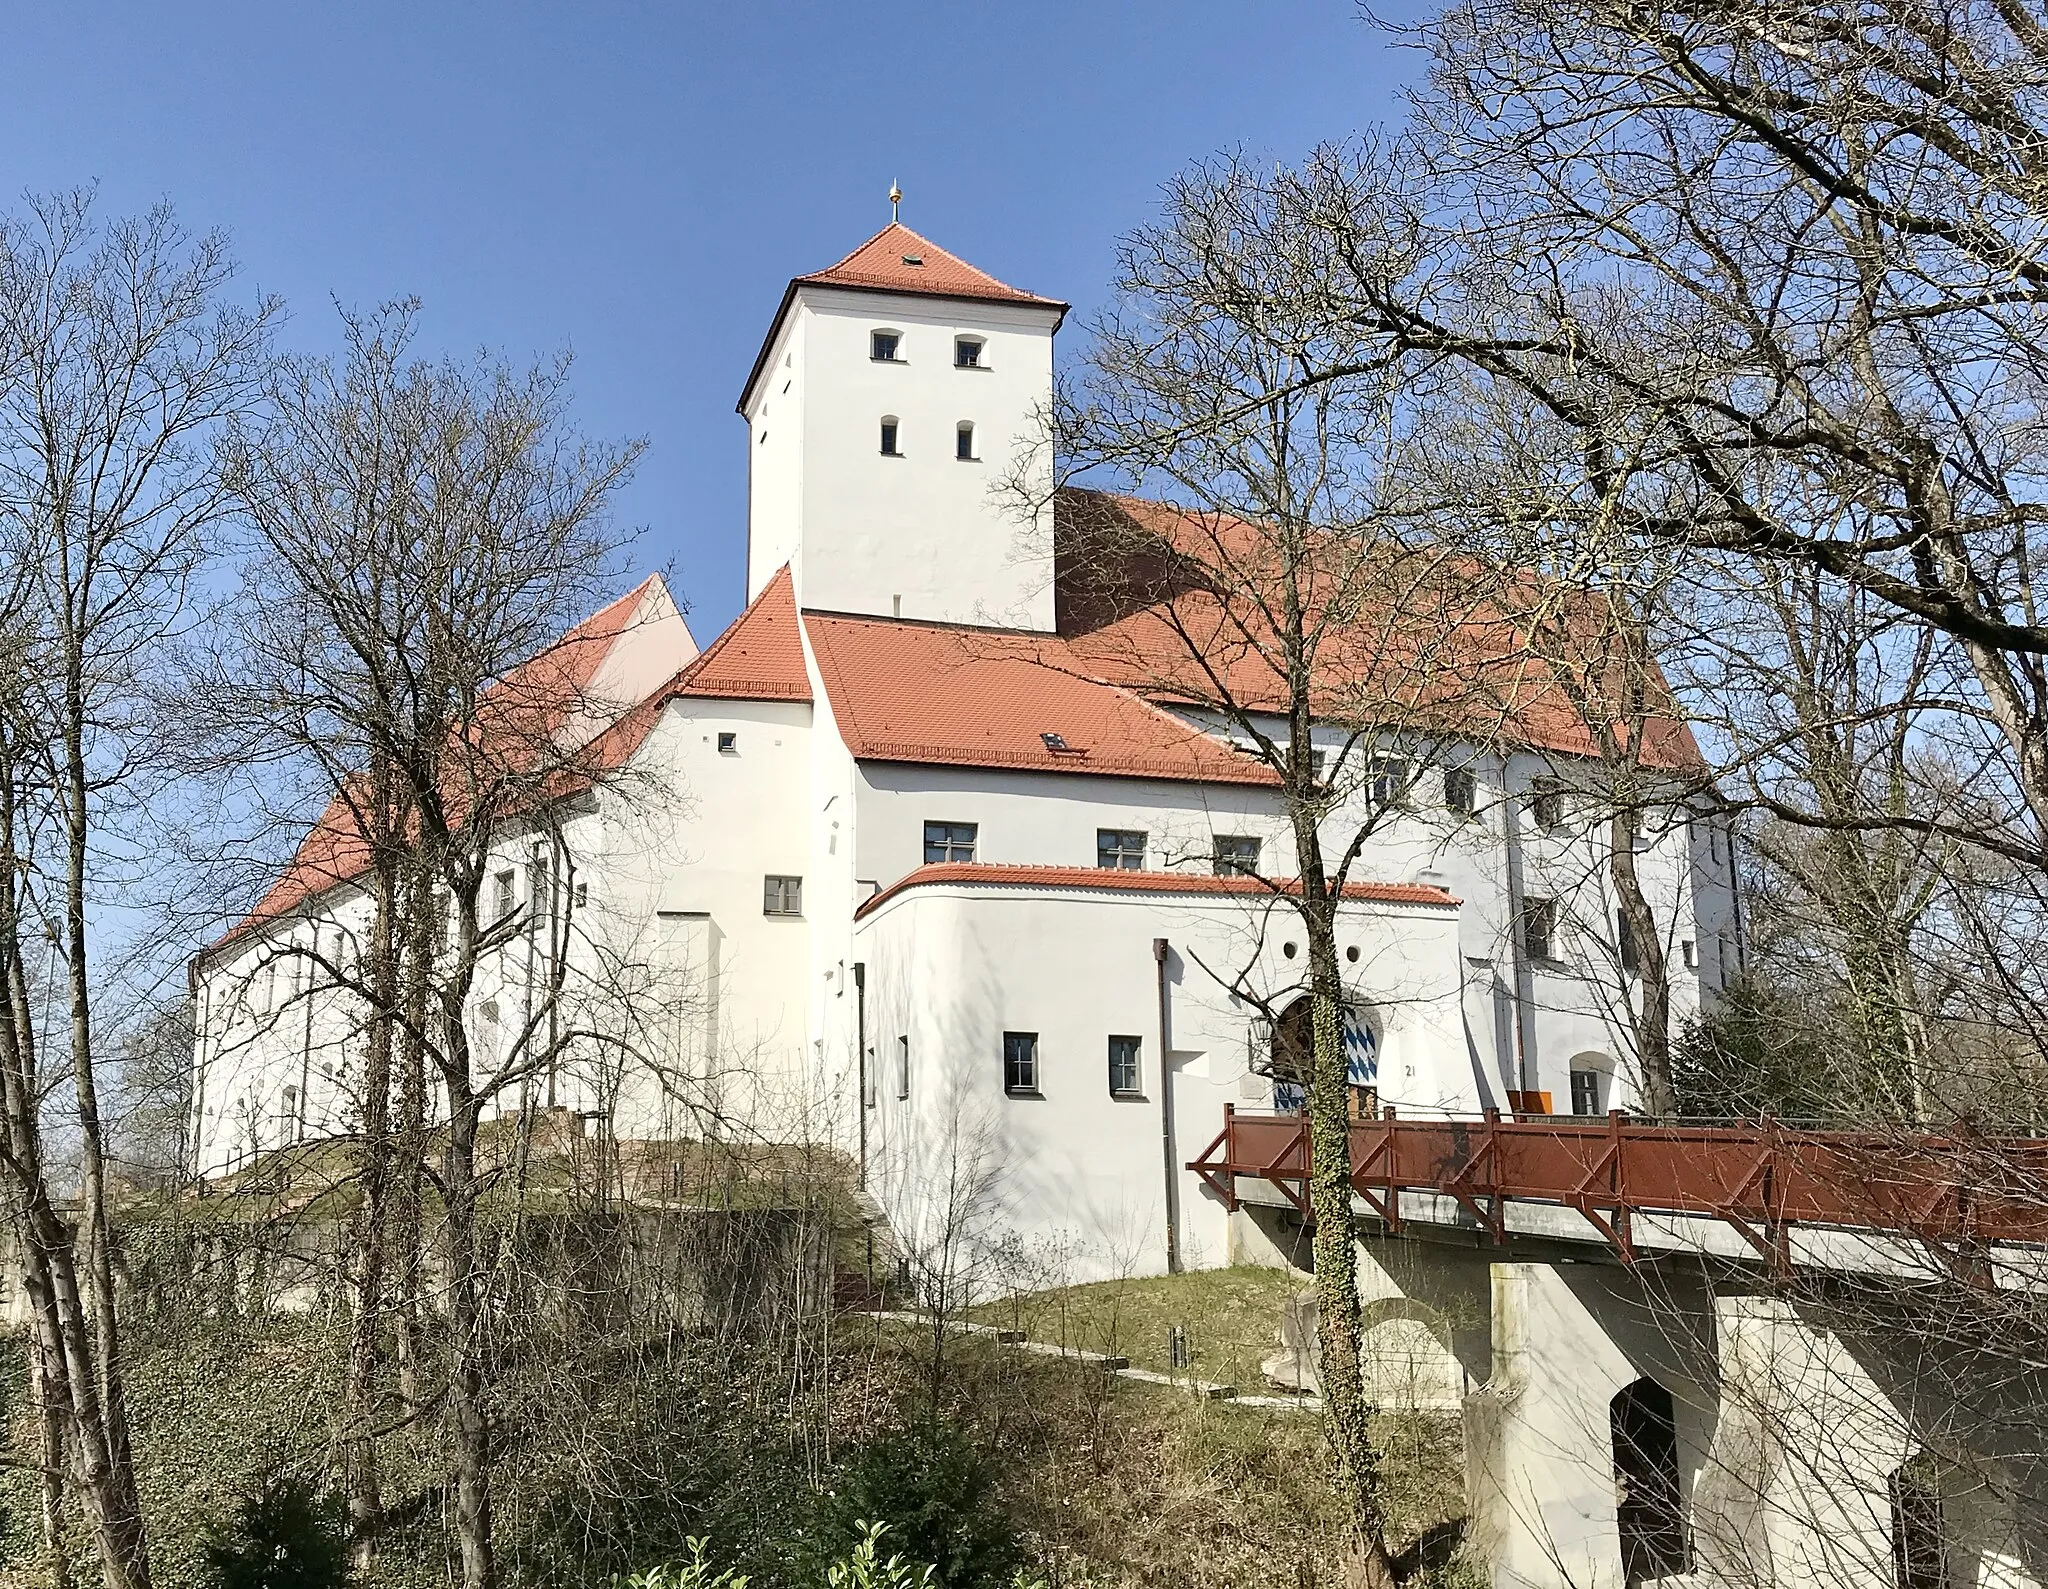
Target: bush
<point>288,1535</point>
<point>933,1493</point>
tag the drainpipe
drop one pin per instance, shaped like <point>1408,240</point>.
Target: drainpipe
<point>1159,948</point>
<point>860,1052</point>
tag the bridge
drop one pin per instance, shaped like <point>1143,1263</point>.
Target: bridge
<point>1755,1353</point>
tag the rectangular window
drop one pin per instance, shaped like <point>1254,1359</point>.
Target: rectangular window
<point>728,744</point>
<point>582,895</point>
<point>889,448</point>
<point>1020,1063</point>
<point>963,442</point>
<point>948,841</point>
<point>1461,791</point>
<point>1585,1092</point>
<point>883,346</point>
<point>782,896</point>
<point>1546,805</point>
<point>967,353</point>
<point>504,888</point>
<point>1539,928</point>
<point>902,1067</point>
<point>1625,945</point>
<point>1237,854</point>
<point>1689,952</point>
<point>1386,780</point>
<point>1122,849</point>
<point>1126,1076</point>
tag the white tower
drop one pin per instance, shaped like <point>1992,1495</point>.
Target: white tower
<point>894,392</point>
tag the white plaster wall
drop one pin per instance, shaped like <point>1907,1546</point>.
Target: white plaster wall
<point>923,527</point>
<point>775,452</point>
<point>1070,1185</point>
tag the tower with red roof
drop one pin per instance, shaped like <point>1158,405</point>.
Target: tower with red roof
<point>895,460</point>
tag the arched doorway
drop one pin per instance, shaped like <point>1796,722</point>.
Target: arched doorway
<point>1649,1507</point>
<point>1292,1053</point>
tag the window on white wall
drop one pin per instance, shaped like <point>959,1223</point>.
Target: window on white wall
<point>967,353</point>
<point>963,441</point>
<point>1387,779</point>
<point>504,894</point>
<point>903,1067</point>
<point>948,841</point>
<point>1020,1063</point>
<point>1237,854</point>
<point>782,896</point>
<point>1122,849</point>
<point>1126,1071</point>
<point>1539,928</point>
<point>885,347</point>
<point>1461,791</point>
<point>1586,1094</point>
<point>889,446</point>
<point>1546,805</point>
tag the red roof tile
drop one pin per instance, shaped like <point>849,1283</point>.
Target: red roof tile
<point>883,264</point>
<point>1117,881</point>
<point>1144,587</point>
<point>527,709</point>
<point>896,259</point>
<point>760,657</point>
<point>929,693</point>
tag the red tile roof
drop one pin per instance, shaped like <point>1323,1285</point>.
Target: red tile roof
<point>1145,587</point>
<point>531,706</point>
<point>1116,881</point>
<point>931,693</point>
<point>896,259</point>
<point>884,264</point>
<point>760,657</point>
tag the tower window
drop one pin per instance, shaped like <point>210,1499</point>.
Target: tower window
<point>967,353</point>
<point>885,347</point>
<point>963,441</point>
<point>889,447</point>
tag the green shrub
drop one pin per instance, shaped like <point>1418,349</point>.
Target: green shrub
<point>693,1572</point>
<point>932,1491</point>
<point>287,1535</point>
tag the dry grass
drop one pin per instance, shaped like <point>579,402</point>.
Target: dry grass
<point>1231,1316</point>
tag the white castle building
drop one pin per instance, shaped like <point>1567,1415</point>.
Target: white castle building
<point>902,864</point>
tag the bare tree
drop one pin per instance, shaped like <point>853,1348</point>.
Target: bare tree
<point>122,360</point>
<point>1276,595</point>
<point>425,534</point>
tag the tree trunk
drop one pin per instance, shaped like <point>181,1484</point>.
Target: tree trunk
<point>1652,1008</point>
<point>358,1449</point>
<point>1347,1411</point>
<point>470,1456</point>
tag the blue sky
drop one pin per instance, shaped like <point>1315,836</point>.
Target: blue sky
<point>637,182</point>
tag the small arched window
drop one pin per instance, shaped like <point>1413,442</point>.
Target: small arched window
<point>963,441</point>
<point>890,449</point>
<point>967,353</point>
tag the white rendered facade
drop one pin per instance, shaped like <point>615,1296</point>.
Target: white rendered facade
<point>907,980</point>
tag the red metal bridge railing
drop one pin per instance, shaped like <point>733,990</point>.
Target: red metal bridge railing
<point>1955,1190</point>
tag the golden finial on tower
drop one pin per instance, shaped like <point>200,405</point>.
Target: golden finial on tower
<point>895,198</point>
